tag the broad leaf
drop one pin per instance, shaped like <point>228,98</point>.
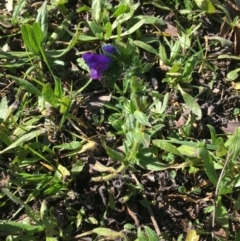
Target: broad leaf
<point>166,146</point>
<point>26,85</point>
<point>208,165</point>
<point>206,5</point>
<point>23,139</point>
<point>145,46</point>
<point>141,118</point>
<point>42,19</point>
<point>191,103</point>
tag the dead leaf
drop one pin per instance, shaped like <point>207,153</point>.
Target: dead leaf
<point>183,118</point>
<point>167,30</point>
<point>9,5</point>
<point>230,127</point>
<point>50,168</point>
<point>95,102</point>
<point>221,233</point>
<point>88,146</point>
<point>192,235</point>
<point>97,166</point>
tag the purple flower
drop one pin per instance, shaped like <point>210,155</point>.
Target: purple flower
<point>109,49</point>
<point>97,64</point>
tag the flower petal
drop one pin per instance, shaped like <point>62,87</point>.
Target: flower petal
<point>93,60</point>
<point>95,74</point>
<point>97,64</point>
<point>109,49</point>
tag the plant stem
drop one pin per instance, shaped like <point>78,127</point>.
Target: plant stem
<point>134,84</point>
<point>135,145</point>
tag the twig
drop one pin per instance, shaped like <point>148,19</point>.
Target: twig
<point>134,216</point>
<point>216,191</point>
<point>148,207</point>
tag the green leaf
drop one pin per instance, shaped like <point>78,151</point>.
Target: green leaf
<point>59,31</point>
<point>96,28</point>
<point>23,139</point>
<point>91,220</point>
<point>164,103</point>
<point>79,219</point>
<point>42,19</point>
<point>49,222</point>
<point>158,4</point>
<point>189,151</point>
<point>191,103</point>
<point>13,226</point>
<point>111,234</point>
<point>116,155</point>
<point>189,66</point>
<point>150,163</point>
<point>17,11</point>
<point>58,88</point>
<point>166,146</point>
<point>85,38</point>
<point>97,9</point>
<point>77,167</point>
<point>14,55</point>
<point>141,236</point>
<point>130,31</point>
<point>163,55</point>
<point>237,237</point>
<point>194,144</point>
<point>3,109</point>
<point>119,32</point>
<point>125,16</point>
<point>150,19</point>
<point>206,5</point>
<point>226,56</point>
<point>83,8</point>
<point>65,104</point>
<point>72,43</point>
<point>145,46</point>
<point>60,2</point>
<point>233,143</point>
<point>121,9</point>
<point>222,150</point>
<point>152,236</point>
<point>139,136</point>
<point>133,28</point>
<point>26,126</point>
<point>141,118</point>
<point>37,35</point>
<point>25,84</point>
<point>6,138</point>
<point>48,238</point>
<point>29,211</point>
<point>70,146</point>
<point>213,134</point>
<point>61,172</point>
<point>208,165</point>
<point>233,75</point>
<point>29,39</point>
<point>222,214</point>
<point>48,95</point>
<point>108,30</point>
<point>223,41</point>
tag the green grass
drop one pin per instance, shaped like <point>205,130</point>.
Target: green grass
<point>74,151</point>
